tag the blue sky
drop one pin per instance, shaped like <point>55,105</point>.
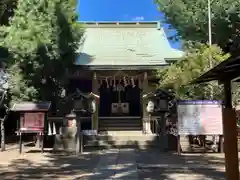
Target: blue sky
<point>121,10</point>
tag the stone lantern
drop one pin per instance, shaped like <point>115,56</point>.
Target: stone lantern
<point>157,107</point>
<point>72,135</point>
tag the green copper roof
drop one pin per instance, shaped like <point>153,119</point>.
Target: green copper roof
<point>125,44</point>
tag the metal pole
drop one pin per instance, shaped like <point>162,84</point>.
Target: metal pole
<point>210,53</point>
<point>210,42</point>
<point>209,23</point>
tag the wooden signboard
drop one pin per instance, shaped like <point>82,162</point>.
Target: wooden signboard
<point>32,122</point>
<point>32,119</point>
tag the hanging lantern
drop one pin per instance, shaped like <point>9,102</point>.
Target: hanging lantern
<point>150,107</point>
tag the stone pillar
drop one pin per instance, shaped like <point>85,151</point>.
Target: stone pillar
<point>146,117</point>
<point>95,91</point>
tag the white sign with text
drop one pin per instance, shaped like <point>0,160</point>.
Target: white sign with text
<point>200,118</point>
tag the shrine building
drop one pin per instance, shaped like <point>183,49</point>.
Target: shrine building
<point>116,62</point>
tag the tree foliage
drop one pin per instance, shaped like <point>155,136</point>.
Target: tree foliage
<point>190,19</point>
<point>7,8</point>
<point>179,75</point>
<point>42,39</point>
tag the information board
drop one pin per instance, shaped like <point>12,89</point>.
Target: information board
<point>200,117</point>
<point>33,122</point>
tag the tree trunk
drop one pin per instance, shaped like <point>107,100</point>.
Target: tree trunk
<point>2,135</point>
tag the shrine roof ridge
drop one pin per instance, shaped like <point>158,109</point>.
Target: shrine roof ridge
<point>119,22</point>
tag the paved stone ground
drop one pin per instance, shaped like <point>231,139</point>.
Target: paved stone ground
<point>166,166</point>
<point>33,165</point>
<point>110,164</point>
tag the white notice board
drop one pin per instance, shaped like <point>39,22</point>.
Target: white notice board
<point>200,117</point>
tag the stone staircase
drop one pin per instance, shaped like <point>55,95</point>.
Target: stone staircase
<point>109,139</point>
<point>120,124</point>
<point>123,132</point>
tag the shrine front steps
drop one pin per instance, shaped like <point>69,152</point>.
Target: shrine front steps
<point>122,139</point>
<point>120,124</point>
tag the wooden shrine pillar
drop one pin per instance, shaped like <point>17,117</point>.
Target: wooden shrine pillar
<point>95,91</point>
<point>146,118</point>
<point>230,135</point>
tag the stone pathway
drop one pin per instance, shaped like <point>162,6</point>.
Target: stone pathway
<point>124,164</point>
<point>117,164</point>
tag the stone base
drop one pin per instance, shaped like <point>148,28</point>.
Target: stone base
<point>66,141</point>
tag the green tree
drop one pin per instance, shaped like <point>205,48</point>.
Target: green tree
<point>179,75</point>
<point>42,38</point>
<point>6,12</point>
<point>41,41</point>
<point>190,19</point>
<point>7,8</point>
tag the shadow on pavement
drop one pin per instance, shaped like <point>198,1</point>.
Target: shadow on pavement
<point>124,163</point>
<point>151,164</point>
<point>34,165</point>
<point>155,165</point>
<point>60,165</point>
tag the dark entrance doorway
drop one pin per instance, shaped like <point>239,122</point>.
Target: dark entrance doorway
<point>127,95</point>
